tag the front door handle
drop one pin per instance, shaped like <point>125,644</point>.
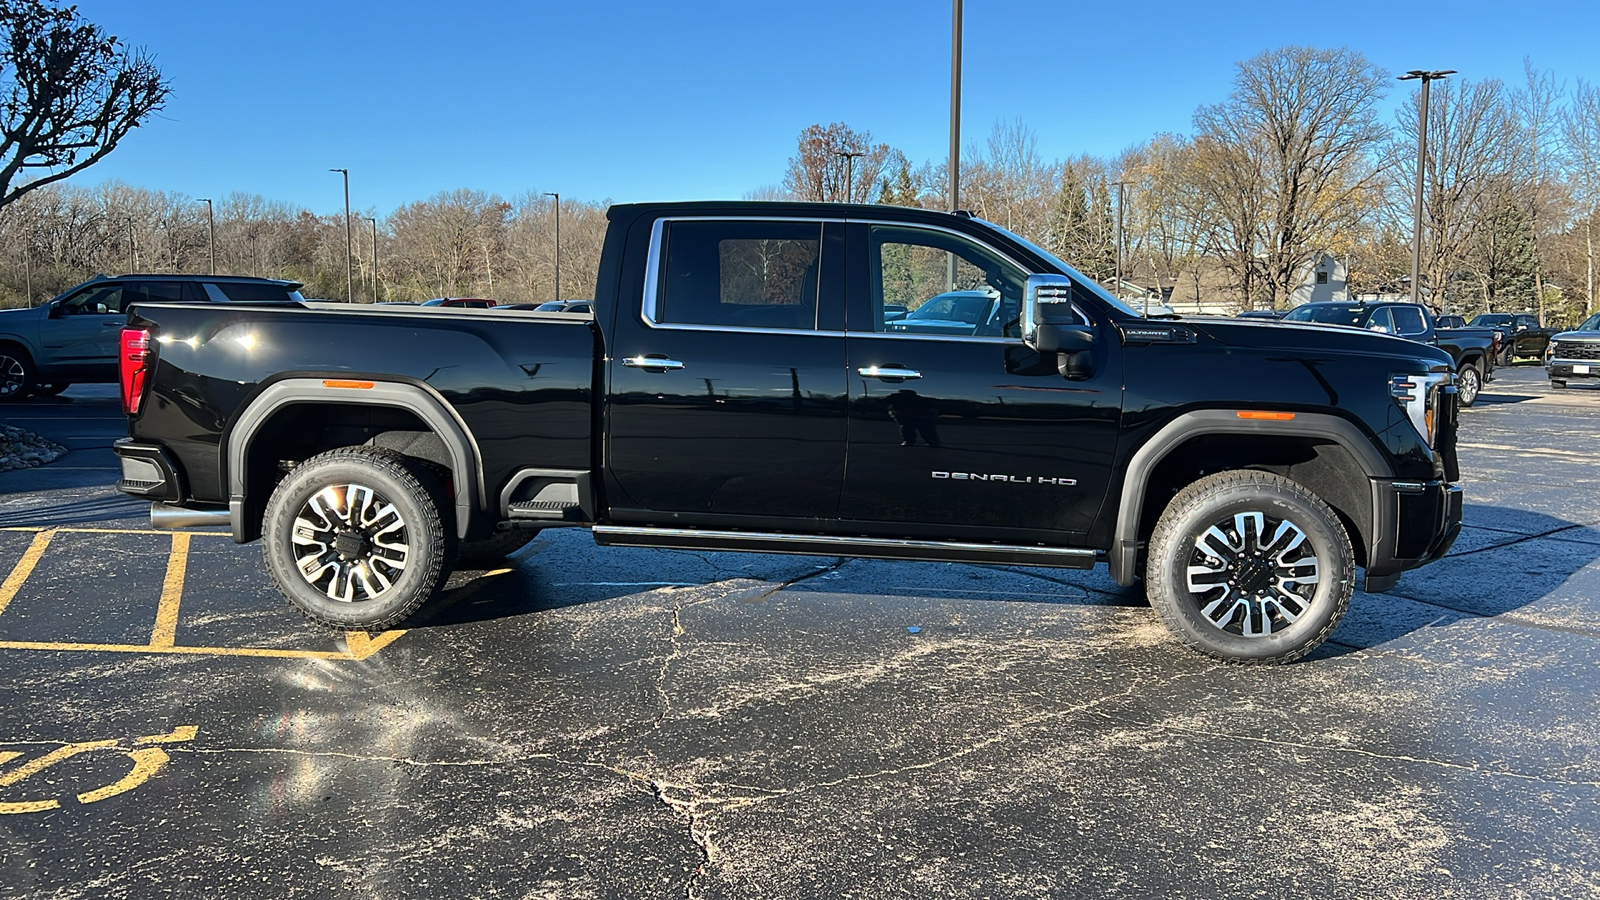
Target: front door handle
<point>652,362</point>
<point>893,370</point>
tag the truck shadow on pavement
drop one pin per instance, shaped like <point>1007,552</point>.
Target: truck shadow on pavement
<point>1526,566</point>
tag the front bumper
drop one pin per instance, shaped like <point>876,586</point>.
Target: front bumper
<point>1572,369</point>
<point>1414,523</point>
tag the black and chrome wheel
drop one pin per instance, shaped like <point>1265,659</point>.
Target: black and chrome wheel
<point>16,373</point>
<point>355,537</point>
<point>1469,381</point>
<point>1250,567</point>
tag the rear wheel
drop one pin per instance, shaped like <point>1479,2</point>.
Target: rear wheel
<point>1469,381</point>
<point>17,373</point>
<point>1250,567</point>
<point>355,537</point>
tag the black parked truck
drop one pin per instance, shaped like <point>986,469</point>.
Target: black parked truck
<point>741,387</point>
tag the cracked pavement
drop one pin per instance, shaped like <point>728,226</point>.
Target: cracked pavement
<point>597,723</point>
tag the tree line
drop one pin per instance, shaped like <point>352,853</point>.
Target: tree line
<point>1296,162</point>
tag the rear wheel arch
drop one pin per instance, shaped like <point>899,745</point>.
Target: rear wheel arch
<point>393,407</point>
<point>1326,454</point>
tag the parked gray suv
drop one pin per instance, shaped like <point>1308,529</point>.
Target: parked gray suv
<point>73,338</point>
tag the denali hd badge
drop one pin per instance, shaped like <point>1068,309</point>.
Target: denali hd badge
<point>1012,479</point>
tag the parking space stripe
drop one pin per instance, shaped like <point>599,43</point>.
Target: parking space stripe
<point>32,528</point>
<point>166,631</point>
<point>24,567</point>
<point>189,651</point>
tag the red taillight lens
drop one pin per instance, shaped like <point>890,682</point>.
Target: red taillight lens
<point>132,360</point>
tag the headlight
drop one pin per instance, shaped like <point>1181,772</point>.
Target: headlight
<point>1419,395</point>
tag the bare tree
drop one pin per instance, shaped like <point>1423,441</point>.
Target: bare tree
<point>1581,127</point>
<point>1537,107</point>
<point>819,171</point>
<point>1296,134</point>
<point>68,93</point>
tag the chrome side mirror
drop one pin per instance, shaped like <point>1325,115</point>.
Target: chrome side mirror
<point>1046,301</point>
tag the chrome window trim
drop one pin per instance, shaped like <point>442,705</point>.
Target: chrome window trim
<point>652,278</point>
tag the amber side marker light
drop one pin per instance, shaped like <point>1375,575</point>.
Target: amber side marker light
<point>337,383</point>
<point>1269,416</point>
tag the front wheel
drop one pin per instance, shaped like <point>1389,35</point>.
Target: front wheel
<point>1469,381</point>
<point>1557,385</point>
<point>355,538</point>
<point>1250,567</point>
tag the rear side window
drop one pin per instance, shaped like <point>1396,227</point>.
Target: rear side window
<point>247,292</point>
<point>1408,320</point>
<point>167,291</point>
<point>738,274</point>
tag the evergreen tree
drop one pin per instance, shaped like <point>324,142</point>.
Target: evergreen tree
<point>1507,256</point>
<point>1070,219</point>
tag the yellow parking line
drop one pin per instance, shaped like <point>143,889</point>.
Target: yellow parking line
<point>68,530</point>
<point>166,631</point>
<point>191,651</point>
<point>24,568</point>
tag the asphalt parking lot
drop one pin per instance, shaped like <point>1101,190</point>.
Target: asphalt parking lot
<point>591,723</point>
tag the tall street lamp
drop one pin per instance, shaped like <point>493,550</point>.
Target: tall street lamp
<point>955,111</point>
<point>558,240</point>
<point>374,222</point>
<point>1422,158</point>
<point>211,233</point>
<point>849,173</point>
<point>349,258</point>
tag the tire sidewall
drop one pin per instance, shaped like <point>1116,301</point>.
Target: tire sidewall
<point>1468,370</point>
<point>1180,609</point>
<point>426,541</point>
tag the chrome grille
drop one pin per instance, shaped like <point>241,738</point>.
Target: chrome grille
<point>1576,350</point>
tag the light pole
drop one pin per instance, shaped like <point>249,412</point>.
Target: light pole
<point>955,109</point>
<point>1422,159</point>
<point>211,233</point>
<point>558,240</point>
<point>349,259</point>
<point>374,222</point>
<point>849,173</point>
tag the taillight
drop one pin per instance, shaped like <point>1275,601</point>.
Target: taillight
<point>133,361</point>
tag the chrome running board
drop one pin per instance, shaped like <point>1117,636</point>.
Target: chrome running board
<point>863,547</point>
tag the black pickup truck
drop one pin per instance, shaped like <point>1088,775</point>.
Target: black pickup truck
<point>1473,351</point>
<point>743,385</point>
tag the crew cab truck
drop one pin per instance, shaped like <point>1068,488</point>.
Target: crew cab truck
<point>740,387</point>
<point>1472,350</point>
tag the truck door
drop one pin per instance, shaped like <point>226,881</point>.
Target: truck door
<point>965,434</point>
<point>726,383</point>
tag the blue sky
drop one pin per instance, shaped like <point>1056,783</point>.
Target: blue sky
<point>703,99</point>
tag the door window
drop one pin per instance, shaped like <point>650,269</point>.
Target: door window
<point>1381,321</point>
<point>1408,321</point>
<point>940,284</point>
<point>733,274</point>
<point>99,300</point>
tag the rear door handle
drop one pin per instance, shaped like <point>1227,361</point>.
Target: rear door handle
<point>653,361</point>
<point>892,370</point>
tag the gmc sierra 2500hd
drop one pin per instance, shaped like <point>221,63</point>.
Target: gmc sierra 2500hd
<point>743,385</point>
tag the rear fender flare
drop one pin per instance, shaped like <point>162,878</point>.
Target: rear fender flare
<point>426,403</point>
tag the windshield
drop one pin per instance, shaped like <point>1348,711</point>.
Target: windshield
<point>1591,324</point>
<point>1078,278</point>
<point>1492,321</point>
<point>1349,314</point>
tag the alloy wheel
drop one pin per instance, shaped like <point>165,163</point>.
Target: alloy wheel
<point>1253,574</point>
<point>13,375</point>
<point>1469,383</point>
<point>350,543</point>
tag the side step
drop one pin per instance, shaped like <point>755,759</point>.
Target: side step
<point>868,548</point>
<point>546,509</point>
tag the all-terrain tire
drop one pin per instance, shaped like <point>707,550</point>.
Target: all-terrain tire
<point>358,537</point>
<point>18,375</point>
<point>1273,580</point>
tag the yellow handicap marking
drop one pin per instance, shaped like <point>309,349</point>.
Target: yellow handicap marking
<point>148,759</point>
<point>164,636</point>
